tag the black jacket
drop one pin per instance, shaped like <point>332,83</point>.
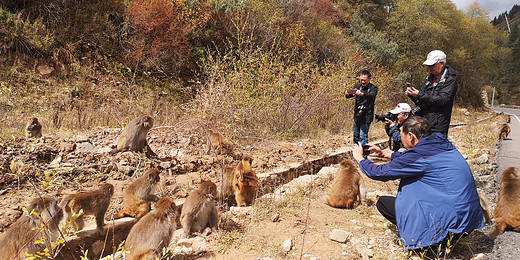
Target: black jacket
<point>394,134</point>
<point>435,102</point>
<point>364,108</point>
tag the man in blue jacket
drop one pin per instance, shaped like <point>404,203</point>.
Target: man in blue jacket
<point>437,196</point>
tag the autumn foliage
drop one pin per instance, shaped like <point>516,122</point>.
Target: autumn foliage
<point>160,31</point>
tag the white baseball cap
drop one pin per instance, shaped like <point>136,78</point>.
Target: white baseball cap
<point>434,57</point>
<point>401,108</point>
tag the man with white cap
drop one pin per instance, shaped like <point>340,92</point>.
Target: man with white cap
<point>434,100</point>
<point>393,129</point>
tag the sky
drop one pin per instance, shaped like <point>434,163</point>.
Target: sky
<point>495,7</point>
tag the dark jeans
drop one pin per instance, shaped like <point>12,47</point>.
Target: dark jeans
<point>361,132</point>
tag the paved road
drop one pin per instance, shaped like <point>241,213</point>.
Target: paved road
<point>509,152</point>
<point>507,245</point>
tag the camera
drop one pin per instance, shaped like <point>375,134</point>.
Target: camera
<point>415,110</point>
<point>365,149</point>
<point>390,116</point>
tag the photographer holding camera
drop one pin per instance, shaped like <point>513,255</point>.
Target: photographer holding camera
<point>365,93</point>
<point>393,121</point>
<point>434,100</point>
<point>437,196</point>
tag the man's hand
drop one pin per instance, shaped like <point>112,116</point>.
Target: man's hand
<point>411,91</point>
<point>359,93</point>
<point>388,122</point>
<point>357,152</point>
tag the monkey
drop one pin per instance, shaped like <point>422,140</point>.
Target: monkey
<point>33,128</point>
<point>508,119</point>
<point>139,194</point>
<point>219,143</point>
<point>245,182</point>
<point>92,203</point>
<point>485,209</point>
<point>33,232</point>
<point>133,137</point>
<point>504,131</point>
<point>153,232</point>
<point>199,212</point>
<point>345,190</point>
<point>507,209</point>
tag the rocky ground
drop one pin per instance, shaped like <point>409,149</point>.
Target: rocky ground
<point>54,165</point>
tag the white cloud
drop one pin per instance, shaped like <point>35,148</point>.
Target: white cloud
<point>495,7</point>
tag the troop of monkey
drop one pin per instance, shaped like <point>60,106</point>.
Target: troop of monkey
<point>199,213</point>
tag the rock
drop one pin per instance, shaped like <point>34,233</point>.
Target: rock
<point>287,246</point>
<point>239,211</point>
<point>327,172</point>
<point>84,147</point>
<point>191,246</point>
<point>339,235</point>
<point>275,217</point>
<point>166,165</point>
<point>104,150</point>
<point>55,163</point>
<point>45,70</point>
<point>484,158</point>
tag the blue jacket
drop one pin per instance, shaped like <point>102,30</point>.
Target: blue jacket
<point>437,192</point>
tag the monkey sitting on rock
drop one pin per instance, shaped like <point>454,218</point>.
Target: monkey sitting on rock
<point>33,129</point>
<point>153,232</point>
<point>133,137</point>
<point>199,212</point>
<point>139,195</point>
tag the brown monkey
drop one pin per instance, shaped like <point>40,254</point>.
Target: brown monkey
<point>33,128</point>
<point>133,137</point>
<point>153,232</point>
<point>32,229</point>
<point>219,143</point>
<point>485,209</point>
<point>504,131</point>
<point>245,182</point>
<point>507,209</point>
<point>139,194</point>
<point>345,190</point>
<point>199,211</point>
<point>508,119</point>
<point>92,203</point>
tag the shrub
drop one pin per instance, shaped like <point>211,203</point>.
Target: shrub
<point>21,35</point>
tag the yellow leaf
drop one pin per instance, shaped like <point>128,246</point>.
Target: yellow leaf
<point>13,166</point>
<point>44,183</point>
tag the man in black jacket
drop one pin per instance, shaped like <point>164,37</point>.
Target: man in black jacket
<point>365,93</point>
<point>434,100</point>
